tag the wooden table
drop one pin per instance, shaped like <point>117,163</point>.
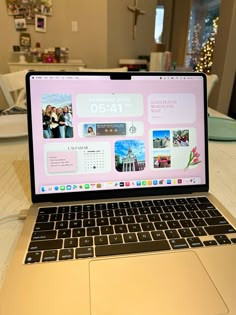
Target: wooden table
<point>15,187</point>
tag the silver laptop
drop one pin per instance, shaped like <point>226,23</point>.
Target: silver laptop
<point>122,222</point>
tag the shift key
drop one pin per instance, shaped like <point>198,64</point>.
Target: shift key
<point>44,245</point>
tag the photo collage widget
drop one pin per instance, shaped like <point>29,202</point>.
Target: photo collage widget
<point>164,143</point>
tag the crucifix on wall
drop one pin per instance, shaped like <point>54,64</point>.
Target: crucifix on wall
<point>136,12</point>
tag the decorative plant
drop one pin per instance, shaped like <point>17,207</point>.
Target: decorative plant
<point>193,158</point>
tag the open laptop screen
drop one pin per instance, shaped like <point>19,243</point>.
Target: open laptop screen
<point>125,133</point>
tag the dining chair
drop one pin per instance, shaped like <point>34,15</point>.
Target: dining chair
<point>121,69</point>
<point>13,88</point>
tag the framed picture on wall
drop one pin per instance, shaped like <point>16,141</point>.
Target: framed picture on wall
<point>40,23</point>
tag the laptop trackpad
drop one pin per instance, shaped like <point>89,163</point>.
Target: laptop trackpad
<point>163,284</point>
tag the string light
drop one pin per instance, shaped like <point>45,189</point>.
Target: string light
<point>206,56</point>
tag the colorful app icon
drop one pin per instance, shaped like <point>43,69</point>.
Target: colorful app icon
<point>149,182</point>
<point>122,184</point>
<point>180,181</point>
<point>161,181</point>
<point>68,187</point>
<point>75,186</point>
<point>43,189</point>
<point>168,181</point>
<point>127,184</point>
<point>138,183</point>
<point>144,183</point>
<point>86,186</point>
<point>155,182</point>
<point>56,188</point>
<point>62,187</point>
<point>99,185</point>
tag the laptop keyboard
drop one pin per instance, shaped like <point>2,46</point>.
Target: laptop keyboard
<point>103,229</point>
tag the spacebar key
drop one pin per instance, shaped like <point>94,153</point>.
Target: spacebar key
<point>129,248</point>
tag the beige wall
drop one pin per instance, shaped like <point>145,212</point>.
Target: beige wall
<point>104,31</point>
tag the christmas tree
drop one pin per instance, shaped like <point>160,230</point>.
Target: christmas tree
<point>206,55</point>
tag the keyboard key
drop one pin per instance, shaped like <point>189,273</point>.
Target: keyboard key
<point>115,220</point>
<point>93,231</point>
<point>186,223</point>
<point>199,222</point>
<point>84,252</point>
<point>130,237</point>
<point>180,208</point>
<point>219,229</point>
<point>185,232</point>
<point>178,216</point>
<point>86,241</point>
<point>82,215</point>
<point>42,218</point>
<point>167,209</point>
<point>107,230</point>
<point>75,224</point>
<point>44,226</point>
<point>170,202</point>
<point>128,219</point>
<point>161,225</point>
<point>128,248</point>
<point>166,216</point>
<point>158,235</point>
<point>178,243</point>
<point>202,214</point>
<point>76,208</point>
<point>63,209</point>
<point>112,205</point>
<point>89,222</point>
<point>100,206</point>
<point>88,207</point>
<point>205,206</point>
<point>154,217</point>
<point>132,211</point>
<point>32,257</point>
<point>156,209</point>
<point>191,215</point>
<point>102,221</point>
<point>120,212</point>
<point>43,235</point>
<point>210,243</point>
<point>191,207</point>
<point>141,218</point>
<point>101,240</point>
<point>194,242</point>
<point>71,242</point>
<point>147,226</point>
<point>144,236</point>
<point>198,231</point>
<point>181,201</point>
<point>95,214</point>
<point>173,224</point>
<point>69,216</point>
<point>47,210</point>
<point>158,202</point>
<point>121,228</point>
<point>66,254</point>
<point>135,204</point>
<point>124,204</point>
<point>108,213</point>
<point>216,221</point>
<point>222,239</point>
<point>147,203</point>
<point>44,245</point>
<point>64,233</point>
<point>115,239</point>
<point>78,232</point>
<point>214,213</point>
<point>61,225</point>
<point>144,210</point>
<point>172,234</point>
<point>50,255</point>
<point>134,227</point>
<point>56,217</point>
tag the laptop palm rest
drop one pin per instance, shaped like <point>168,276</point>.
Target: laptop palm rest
<point>163,284</point>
